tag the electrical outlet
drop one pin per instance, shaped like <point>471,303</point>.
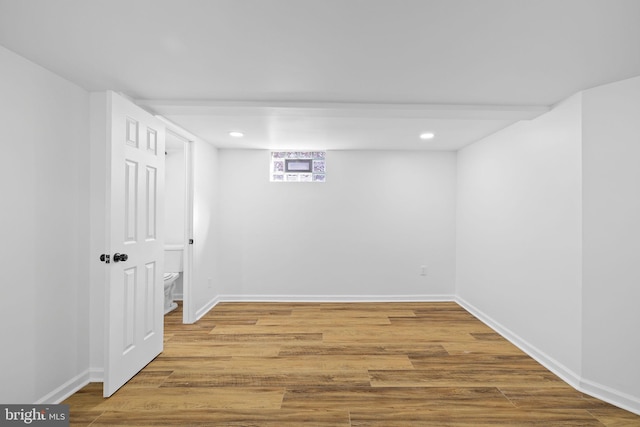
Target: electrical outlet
<point>423,270</point>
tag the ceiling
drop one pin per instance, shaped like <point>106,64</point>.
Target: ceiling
<point>333,74</point>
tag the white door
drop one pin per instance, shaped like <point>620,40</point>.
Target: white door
<point>135,209</point>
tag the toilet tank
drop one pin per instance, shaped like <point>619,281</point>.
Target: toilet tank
<point>173,258</point>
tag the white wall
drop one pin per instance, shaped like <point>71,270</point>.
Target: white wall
<point>611,293</point>
<point>519,233</point>
<point>44,175</point>
<point>549,238</point>
<point>363,233</point>
<point>204,286</point>
<point>174,195</point>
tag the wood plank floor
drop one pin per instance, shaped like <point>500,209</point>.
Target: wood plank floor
<point>360,364</point>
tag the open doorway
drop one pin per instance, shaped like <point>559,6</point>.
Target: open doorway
<point>178,222</point>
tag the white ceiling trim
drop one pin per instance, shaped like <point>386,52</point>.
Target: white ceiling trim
<point>339,109</point>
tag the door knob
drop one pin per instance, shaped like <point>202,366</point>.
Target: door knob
<point>120,257</point>
<point>105,258</point>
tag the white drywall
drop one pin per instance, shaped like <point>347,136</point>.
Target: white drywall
<point>519,232</point>
<point>611,292</point>
<point>174,193</point>
<point>44,174</point>
<point>204,286</point>
<point>365,232</point>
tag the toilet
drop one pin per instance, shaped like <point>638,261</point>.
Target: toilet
<point>172,270</point>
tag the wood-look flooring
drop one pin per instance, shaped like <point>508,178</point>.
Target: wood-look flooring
<point>335,365</point>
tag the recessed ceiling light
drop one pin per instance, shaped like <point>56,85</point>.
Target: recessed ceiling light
<point>427,135</point>
<point>236,134</point>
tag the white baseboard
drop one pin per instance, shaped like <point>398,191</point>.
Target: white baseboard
<point>607,394</point>
<point>66,389</point>
<point>335,298</point>
<point>575,380</point>
<point>548,362</point>
<point>205,309</point>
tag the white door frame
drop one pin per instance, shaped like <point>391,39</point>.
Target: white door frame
<point>188,313</point>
